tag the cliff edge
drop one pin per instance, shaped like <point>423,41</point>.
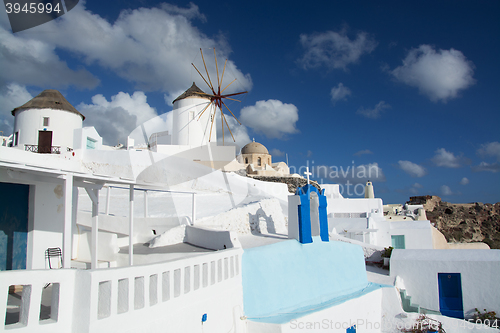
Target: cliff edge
<point>463,223</point>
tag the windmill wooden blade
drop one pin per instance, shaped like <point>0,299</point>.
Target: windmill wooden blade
<point>200,74</point>
<point>240,93</point>
<point>236,100</point>
<point>231,112</point>
<point>206,70</point>
<point>222,78</point>
<point>227,86</point>
<point>229,128</point>
<point>206,107</point>
<point>216,98</point>
<point>217,69</point>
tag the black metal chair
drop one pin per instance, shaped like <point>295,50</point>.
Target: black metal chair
<point>53,252</point>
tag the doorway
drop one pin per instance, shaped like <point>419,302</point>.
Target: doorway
<point>450,295</point>
<point>14,226</point>
<point>44,142</point>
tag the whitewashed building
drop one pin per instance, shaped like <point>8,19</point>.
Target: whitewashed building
<point>46,124</point>
<point>452,282</point>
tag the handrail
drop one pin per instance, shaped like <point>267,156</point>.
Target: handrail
<point>35,149</point>
<point>104,294</point>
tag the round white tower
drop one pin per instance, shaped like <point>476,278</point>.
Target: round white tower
<point>187,126</point>
<point>46,123</point>
<point>369,193</point>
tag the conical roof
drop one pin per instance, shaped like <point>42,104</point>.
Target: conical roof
<point>193,91</point>
<point>49,99</point>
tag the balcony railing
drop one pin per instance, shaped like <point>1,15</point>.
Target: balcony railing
<point>44,150</point>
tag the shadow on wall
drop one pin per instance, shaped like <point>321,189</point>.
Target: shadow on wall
<point>261,222</point>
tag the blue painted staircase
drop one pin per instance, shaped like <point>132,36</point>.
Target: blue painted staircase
<point>408,306</point>
<point>406,301</point>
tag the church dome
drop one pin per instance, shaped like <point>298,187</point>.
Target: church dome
<point>254,148</point>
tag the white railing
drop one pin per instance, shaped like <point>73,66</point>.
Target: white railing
<point>29,307</point>
<point>97,300</point>
<point>349,215</point>
<point>146,205</point>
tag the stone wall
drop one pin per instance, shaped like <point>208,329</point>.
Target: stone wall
<point>292,182</point>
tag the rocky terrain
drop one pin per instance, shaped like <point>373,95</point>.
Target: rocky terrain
<point>464,223</point>
<point>292,182</point>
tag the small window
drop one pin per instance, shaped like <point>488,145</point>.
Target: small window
<point>91,143</point>
<point>246,160</point>
<point>16,138</point>
<point>259,162</point>
<point>45,121</point>
<point>398,241</point>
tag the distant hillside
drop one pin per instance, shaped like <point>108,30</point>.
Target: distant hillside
<point>473,222</point>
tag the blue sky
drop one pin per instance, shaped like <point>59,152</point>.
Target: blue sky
<point>405,93</point>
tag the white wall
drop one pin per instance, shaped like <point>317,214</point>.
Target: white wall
<point>211,239</point>
<point>418,234</point>
<point>332,191</point>
<point>61,123</point>
<point>186,128</point>
<point>81,135</point>
<point>48,222</point>
<point>146,298</point>
<point>207,152</point>
<point>372,206</point>
<point>479,271</point>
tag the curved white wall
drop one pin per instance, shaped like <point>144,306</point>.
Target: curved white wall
<point>61,123</point>
<point>186,128</point>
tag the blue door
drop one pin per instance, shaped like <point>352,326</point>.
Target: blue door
<point>450,295</point>
<point>13,226</point>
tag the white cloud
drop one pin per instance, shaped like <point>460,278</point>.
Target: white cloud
<point>272,118</point>
<point>490,149</point>
<point>483,166</point>
<point>374,113</point>
<point>277,152</point>
<point>352,174</point>
<point>464,181</point>
<point>446,159</point>
<point>445,190</point>
<point>414,189</point>
<point>28,61</point>
<point>240,132</point>
<point>412,169</point>
<point>334,49</point>
<point>143,132</point>
<point>439,75</point>
<point>11,96</point>
<point>340,92</point>
<point>116,118</point>
<point>151,47</point>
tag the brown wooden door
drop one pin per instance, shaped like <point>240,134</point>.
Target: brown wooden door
<point>44,142</point>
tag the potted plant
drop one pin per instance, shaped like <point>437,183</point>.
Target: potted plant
<point>386,254</point>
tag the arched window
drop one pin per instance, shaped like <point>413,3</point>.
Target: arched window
<point>259,162</point>
<point>246,160</point>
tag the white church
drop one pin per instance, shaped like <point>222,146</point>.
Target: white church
<point>94,239</point>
